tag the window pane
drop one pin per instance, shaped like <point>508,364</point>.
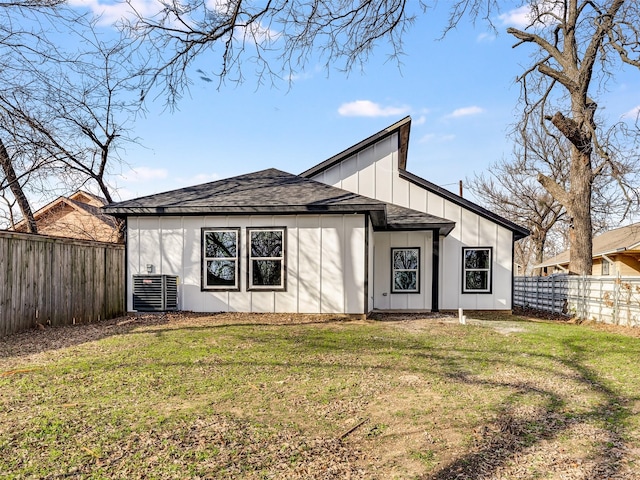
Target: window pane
<point>476,259</point>
<point>405,259</point>
<point>267,272</point>
<point>405,281</point>
<point>220,244</point>
<point>266,243</point>
<point>221,272</point>
<point>477,281</point>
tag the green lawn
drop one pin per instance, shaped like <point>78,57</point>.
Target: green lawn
<point>260,396</point>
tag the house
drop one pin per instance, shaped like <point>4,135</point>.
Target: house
<point>616,252</point>
<point>356,233</point>
<point>76,216</point>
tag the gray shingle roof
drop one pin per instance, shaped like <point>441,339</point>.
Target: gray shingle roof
<point>273,191</point>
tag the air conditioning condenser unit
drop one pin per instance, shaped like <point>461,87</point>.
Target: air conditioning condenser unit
<point>155,293</point>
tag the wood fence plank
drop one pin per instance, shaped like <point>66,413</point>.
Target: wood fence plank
<point>58,280</point>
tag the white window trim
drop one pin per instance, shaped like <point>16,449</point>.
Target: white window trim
<point>608,267</point>
<point>235,259</point>
<point>489,271</point>
<point>394,270</point>
<point>251,258</point>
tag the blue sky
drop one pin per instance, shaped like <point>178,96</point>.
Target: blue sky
<point>460,92</point>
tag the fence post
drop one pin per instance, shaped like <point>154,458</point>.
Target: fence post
<point>616,300</point>
<point>553,295</point>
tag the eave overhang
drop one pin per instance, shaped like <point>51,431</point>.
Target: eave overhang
<point>518,231</point>
<point>377,212</point>
<point>443,229</point>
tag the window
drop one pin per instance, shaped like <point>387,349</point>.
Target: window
<point>476,270</point>
<point>606,267</point>
<point>220,253</point>
<point>266,258</point>
<point>405,264</point>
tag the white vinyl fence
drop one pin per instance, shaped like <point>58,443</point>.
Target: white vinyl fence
<point>614,300</point>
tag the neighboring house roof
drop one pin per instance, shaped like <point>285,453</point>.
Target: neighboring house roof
<point>88,198</point>
<point>82,202</point>
<point>402,128</point>
<point>273,191</point>
<point>619,240</point>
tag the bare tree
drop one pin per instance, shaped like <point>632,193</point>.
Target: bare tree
<point>86,107</point>
<point>275,37</point>
<point>578,45</point>
<point>511,190</point>
<point>20,46</point>
<point>66,114</point>
<point>16,189</point>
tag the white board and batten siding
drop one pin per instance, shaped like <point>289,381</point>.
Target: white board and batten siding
<point>374,172</point>
<point>324,257</point>
<point>384,298</point>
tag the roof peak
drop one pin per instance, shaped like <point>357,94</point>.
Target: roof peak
<point>402,127</point>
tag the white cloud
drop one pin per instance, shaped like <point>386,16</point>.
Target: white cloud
<point>485,37</point>
<point>199,178</point>
<point>421,120</point>
<point>436,138</point>
<point>111,12</point>
<point>144,174</point>
<point>465,112</point>
<point>367,108</point>
<point>142,181</point>
<point>519,17</point>
<point>632,114</point>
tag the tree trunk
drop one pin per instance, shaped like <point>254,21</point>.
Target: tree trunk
<point>580,233</point>
<point>538,242</point>
<point>16,189</point>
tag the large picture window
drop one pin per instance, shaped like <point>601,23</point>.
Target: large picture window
<point>405,270</point>
<point>266,258</point>
<point>220,253</point>
<point>476,270</point>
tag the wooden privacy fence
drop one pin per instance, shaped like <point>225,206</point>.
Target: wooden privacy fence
<point>614,300</point>
<point>58,281</point>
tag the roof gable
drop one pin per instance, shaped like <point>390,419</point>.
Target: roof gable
<point>79,201</point>
<point>402,129</point>
<point>88,198</point>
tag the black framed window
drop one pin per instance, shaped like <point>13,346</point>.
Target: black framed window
<point>606,267</point>
<point>405,270</point>
<point>477,269</point>
<point>220,254</point>
<point>266,263</point>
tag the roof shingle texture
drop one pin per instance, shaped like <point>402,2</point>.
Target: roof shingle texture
<point>275,191</point>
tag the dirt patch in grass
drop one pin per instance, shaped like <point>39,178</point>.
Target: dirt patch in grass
<point>220,446</point>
